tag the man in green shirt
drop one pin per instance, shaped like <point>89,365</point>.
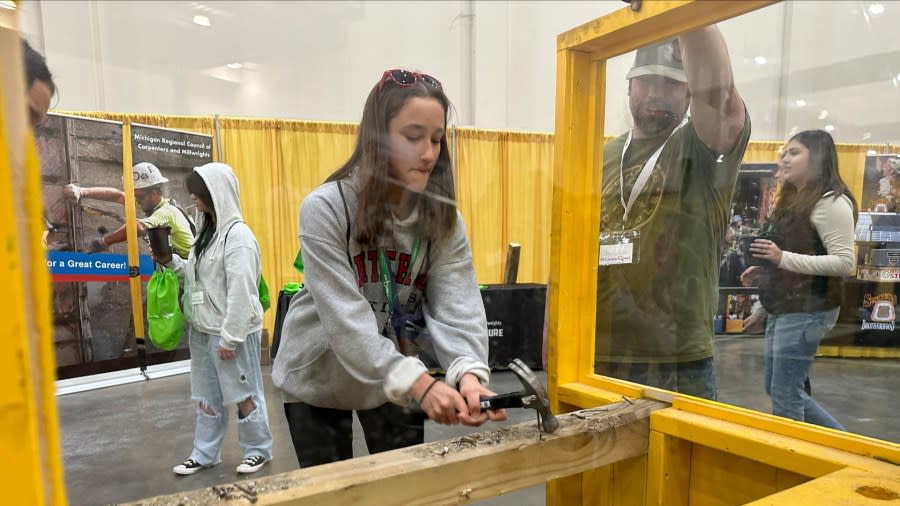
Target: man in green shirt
<point>667,188</point>
<point>148,194</point>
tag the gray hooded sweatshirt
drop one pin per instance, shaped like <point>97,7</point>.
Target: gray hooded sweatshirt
<point>333,352</point>
<point>221,295</point>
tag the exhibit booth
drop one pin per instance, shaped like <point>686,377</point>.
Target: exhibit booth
<point>516,168</point>
<point>649,447</point>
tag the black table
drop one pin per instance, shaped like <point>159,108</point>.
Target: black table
<point>515,316</point>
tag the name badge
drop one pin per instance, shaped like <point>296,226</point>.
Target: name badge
<point>196,298</point>
<point>619,248</point>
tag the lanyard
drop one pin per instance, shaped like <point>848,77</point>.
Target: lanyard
<point>645,172</point>
<point>387,276</point>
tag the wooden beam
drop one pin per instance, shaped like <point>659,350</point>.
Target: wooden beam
<point>582,394</point>
<point>847,487</point>
<point>668,470</point>
<point>511,269</point>
<point>472,467</point>
<point>838,440</point>
<point>576,208</point>
<point>781,452</point>
<point>622,483</point>
<point>28,422</point>
<point>624,30</point>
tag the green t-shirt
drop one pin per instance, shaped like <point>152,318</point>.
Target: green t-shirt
<point>167,214</point>
<point>661,309</point>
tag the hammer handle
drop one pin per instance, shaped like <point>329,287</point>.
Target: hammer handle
<point>503,401</point>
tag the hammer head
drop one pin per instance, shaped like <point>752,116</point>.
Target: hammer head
<point>533,387</point>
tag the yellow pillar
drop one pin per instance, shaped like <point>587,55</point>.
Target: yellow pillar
<point>28,419</point>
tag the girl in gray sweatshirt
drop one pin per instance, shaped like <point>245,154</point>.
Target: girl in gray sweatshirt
<point>388,282</point>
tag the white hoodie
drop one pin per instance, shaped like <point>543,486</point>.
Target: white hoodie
<point>221,294</point>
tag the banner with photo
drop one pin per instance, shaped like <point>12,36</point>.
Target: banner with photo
<point>881,184</point>
<point>82,171</point>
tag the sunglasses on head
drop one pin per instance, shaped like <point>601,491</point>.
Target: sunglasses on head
<point>404,78</point>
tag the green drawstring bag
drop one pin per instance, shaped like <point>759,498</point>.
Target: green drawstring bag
<point>298,262</point>
<point>165,322</point>
<point>264,298</point>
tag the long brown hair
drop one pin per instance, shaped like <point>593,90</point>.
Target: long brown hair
<point>823,162</point>
<point>371,157</point>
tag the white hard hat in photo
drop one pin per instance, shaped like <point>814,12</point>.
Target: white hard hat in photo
<point>146,174</point>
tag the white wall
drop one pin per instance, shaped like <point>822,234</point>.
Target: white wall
<point>497,59</point>
<point>516,59</point>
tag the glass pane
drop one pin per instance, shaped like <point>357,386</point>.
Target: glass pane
<point>672,310</point>
<point>758,273</point>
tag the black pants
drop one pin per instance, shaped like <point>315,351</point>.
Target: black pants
<point>323,435</point>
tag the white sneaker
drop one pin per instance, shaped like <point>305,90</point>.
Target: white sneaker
<point>251,464</point>
<point>189,466</point>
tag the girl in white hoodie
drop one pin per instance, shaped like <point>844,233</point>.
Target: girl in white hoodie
<point>221,304</point>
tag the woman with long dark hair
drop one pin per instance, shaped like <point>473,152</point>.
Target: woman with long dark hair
<point>389,282</point>
<point>808,252</point>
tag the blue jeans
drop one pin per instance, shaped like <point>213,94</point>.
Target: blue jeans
<point>791,343</point>
<point>215,383</point>
<point>697,378</point>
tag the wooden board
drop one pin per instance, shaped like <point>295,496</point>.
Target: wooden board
<point>457,471</point>
<point>775,450</point>
<point>846,487</point>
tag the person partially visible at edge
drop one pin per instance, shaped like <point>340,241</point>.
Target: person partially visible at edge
<point>388,280</point>
<point>224,315</point>
<point>808,253</point>
<point>39,85</point>
<point>148,193</point>
<point>39,90</point>
<point>666,193</point>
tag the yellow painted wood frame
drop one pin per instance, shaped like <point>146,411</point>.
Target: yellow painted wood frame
<point>28,424</point>
<point>743,455</point>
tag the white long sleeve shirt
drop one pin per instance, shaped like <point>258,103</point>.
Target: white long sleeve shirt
<point>833,220</point>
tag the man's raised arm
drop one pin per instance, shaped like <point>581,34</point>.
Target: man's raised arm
<point>717,109</point>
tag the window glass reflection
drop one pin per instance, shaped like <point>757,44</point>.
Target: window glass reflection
<point>729,284</point>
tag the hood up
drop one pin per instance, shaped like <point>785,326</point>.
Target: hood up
<point>225,192</point>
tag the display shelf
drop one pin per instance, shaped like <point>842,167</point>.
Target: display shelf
<point>878,274</point>
<point>867,325</point>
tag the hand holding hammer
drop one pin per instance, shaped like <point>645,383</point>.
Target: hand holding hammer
<point>447,406</point>
<point>533,396</point>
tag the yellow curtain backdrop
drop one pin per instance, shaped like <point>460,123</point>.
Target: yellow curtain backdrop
<point>503,178</point>
<point>480,180</point>
<point>504,188</point>
<point>278,163</point>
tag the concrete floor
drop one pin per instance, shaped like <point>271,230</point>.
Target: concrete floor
<point>120,443</point>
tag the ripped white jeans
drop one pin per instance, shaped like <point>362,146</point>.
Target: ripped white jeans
<point>217,383</point>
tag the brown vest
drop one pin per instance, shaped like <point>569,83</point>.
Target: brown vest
<point>782,291</point>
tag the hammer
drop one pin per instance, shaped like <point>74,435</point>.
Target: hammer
<point>534,396</point>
